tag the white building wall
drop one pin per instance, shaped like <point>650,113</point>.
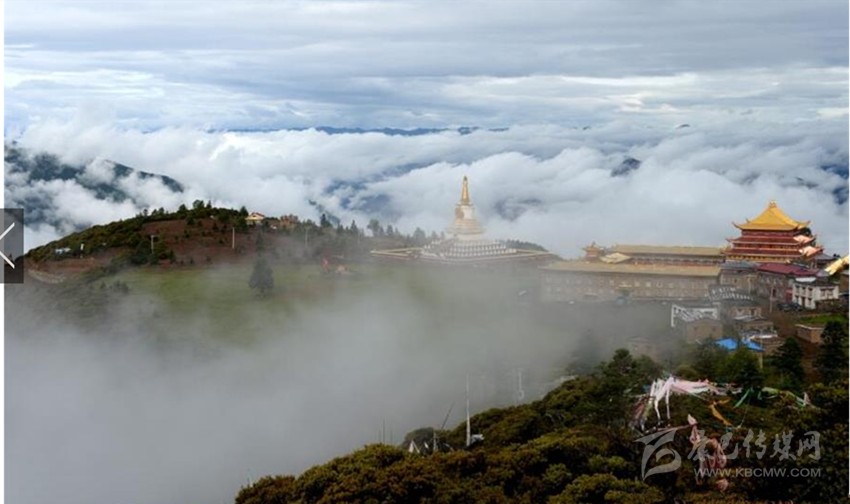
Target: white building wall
<point>808,295</point>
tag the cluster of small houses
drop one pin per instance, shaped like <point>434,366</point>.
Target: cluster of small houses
<point>285,222</point>
<point>743,295</point>
<point>774,265</point>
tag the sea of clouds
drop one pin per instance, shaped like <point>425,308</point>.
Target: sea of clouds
<point>553,185</point>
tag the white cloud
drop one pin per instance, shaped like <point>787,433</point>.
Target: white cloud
<point>693,183</point>
<point>99,171</point>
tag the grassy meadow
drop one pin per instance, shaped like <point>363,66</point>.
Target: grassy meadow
<point>221,300</point>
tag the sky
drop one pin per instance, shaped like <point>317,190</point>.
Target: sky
<point>227,65</point>
<point>727,104</point>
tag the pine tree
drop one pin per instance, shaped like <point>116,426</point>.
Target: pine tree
<point>375,227</point>
<point>262,278</point>
<point>419,237</point>
<point>788,362</point>
<point>831,361</point>
<point>742,369</point>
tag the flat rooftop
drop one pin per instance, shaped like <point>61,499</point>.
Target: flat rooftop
<point>668,250</point>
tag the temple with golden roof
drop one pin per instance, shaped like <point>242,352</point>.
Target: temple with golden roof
<point>465,242</point>
<point>773,237</point>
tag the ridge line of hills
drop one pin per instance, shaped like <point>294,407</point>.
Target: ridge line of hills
<point>205,234</point>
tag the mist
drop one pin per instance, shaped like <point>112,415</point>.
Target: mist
<point>142,402</point>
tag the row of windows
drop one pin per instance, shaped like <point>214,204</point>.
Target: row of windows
<point>669,293</point>
<point>808,292</point>
<point>591,281</point>
<point>676,260</point>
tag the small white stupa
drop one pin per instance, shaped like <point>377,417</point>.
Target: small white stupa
<point>465,225</point>
<point>465,242</point>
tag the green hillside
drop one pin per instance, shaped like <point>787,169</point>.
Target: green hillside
<point>577,446</point>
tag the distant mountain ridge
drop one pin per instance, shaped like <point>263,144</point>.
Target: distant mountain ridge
<point>338,130</point>
<point>34,178</point>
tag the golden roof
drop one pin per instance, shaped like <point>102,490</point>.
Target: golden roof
<point>580,266</point>
<point>671,250</point>
<point>772,219</point>
<point>838,265</point>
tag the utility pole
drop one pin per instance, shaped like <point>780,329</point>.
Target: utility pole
<point>520,392</point>
<point>152,236</point>
<point>233,240</point>
<point>468,429</point>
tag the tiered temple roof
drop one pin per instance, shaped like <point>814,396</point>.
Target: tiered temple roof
<point>773,237</point>
<point>772,219</point>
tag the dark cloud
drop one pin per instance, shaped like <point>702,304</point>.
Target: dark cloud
<point>407,65</point>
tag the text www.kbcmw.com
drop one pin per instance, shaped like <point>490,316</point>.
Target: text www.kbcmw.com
<point>759,472</point>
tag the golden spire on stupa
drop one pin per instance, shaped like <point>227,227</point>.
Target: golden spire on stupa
<point>464,192</point>
<point>465,224</point>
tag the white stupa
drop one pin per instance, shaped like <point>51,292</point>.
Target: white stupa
<point>465,225</point>
<point>465,242</point>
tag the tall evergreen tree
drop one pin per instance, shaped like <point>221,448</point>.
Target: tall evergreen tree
<point>262,278</point>
<point>788,362</point>
<point>831,361</point>
<point>742,369</point>
<point>419,237</point>
<point>375,227</point>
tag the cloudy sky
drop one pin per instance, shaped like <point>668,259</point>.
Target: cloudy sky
<point>562,91</point>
